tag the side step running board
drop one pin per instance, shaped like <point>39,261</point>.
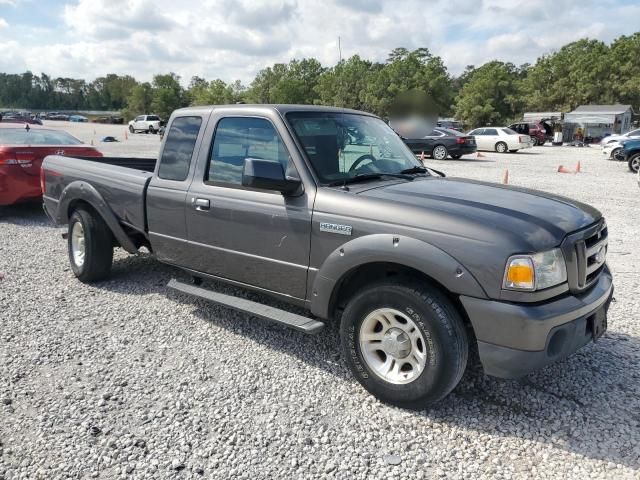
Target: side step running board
<point>265,312</point>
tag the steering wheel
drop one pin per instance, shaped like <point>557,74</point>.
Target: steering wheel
<point>361,159</point>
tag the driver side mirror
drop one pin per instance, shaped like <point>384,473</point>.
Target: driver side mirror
<point>268,175</point>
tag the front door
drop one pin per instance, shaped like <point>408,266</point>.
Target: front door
<point>257,237</point>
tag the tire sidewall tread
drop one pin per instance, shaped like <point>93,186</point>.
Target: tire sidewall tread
<point>98,246</point>
<point>442,329</point>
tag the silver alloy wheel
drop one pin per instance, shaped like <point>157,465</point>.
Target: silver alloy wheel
<point>440,152</point>
<point>635,164</point>
<point>393,346</point>
<point>501,147</point>
<point>77,244</point>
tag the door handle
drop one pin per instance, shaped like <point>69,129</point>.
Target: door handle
<point>200,204</point>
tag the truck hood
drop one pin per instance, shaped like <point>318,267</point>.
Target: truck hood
<point>538,219</point>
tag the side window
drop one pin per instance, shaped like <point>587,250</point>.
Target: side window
<point>178,148</point>
<point>490,131</point>
<point>477,131</point>
<point>237,138</point>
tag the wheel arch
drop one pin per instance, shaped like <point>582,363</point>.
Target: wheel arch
<point>80,193</point>
<point>372,258</point>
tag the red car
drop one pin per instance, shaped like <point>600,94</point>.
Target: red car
<point>21,153</point>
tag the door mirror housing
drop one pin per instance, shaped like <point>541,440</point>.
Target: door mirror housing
<point>268,175</point>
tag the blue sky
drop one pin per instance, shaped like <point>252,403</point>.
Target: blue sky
<point>233,39</point>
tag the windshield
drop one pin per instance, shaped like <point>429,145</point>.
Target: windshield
<point>22,136</point>
<point>343,145</point>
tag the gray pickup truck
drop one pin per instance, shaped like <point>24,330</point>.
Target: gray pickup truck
<point>327,209</point>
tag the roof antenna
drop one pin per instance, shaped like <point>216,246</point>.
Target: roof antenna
<point>340,152</point>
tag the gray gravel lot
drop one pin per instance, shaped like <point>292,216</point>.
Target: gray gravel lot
<point>124,379</point>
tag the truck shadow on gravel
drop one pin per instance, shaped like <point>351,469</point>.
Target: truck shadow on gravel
<point>588,404</point>
<point>25,214</point>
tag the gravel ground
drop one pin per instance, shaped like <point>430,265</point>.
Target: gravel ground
<point>125,379</point>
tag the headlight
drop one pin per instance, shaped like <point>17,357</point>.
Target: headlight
<point>535,272</point>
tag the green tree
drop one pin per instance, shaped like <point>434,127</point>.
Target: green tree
<point>624,73</point>
<point>292,82</point>
<point>347,84</point>
<point>490,95</point>
<point>139,100</point>
<point>579,73</point>
<point>167,95</point>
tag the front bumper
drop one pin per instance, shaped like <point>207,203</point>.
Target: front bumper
<point>515,339</point>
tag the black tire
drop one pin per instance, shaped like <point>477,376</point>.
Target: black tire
<point>456,157</point>
<point>151,129</point>
<point>439,323</point>
<point>439,152</point>
<point>634,163</point>
<point>98,246</point>
<point>131,130</point>
<point>501,147</point>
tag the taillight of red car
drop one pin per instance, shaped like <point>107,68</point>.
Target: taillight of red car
<point>42,181</point>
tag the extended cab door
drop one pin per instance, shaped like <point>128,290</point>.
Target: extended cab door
<point>167,192</point>
<point>257,237</point>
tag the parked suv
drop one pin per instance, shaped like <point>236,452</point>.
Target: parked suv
<point>145,123</point>
<point>539,132</point>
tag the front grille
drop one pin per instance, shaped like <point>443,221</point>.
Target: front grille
<point>586,253</point>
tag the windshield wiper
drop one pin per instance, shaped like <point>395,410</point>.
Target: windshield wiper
<point>361,177</point>
<point>417,169</point>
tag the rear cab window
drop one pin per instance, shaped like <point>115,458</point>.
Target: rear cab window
<point>178,148</point>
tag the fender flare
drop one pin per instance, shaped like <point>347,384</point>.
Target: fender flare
<point>389,248</point>
<point>86,192</point>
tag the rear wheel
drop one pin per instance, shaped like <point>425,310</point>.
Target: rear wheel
<point>90,245</point>
<point>152,130</point>
<point>404,342</point>
<point>440,152</point>
<point>634,163</point>
<point>131,130</point>
<point>501,147</point>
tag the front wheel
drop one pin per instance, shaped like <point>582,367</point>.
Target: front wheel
<point>131,129</point>
<point>440,152</point>
<point>634,163</point>
<point>501,147</point>
<point>405,343</point>
<point>90,244</point>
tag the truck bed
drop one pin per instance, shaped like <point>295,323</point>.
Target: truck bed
<point>121,181</point>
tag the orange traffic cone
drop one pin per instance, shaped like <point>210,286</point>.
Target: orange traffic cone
<point>562,169</point>
<point>505,177</point>
<point>578,167</point>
